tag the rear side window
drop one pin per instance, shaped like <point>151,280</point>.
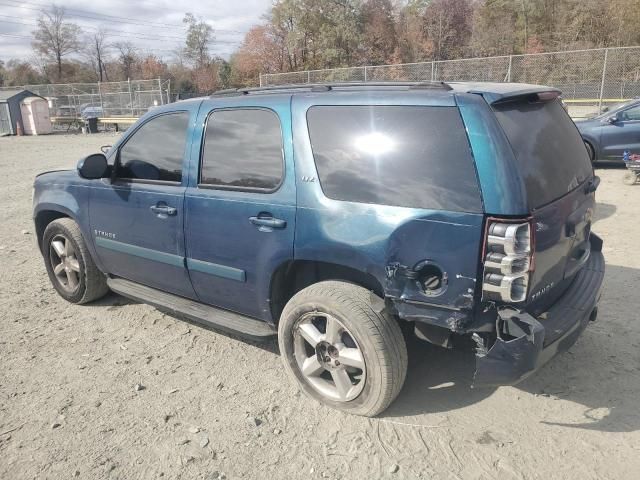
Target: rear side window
<point>243,150</point>
<point>549,151</point>
<point>155,151</point>
<point>394,155</point>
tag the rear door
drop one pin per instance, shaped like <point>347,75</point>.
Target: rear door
<point>241,203</point>
<point>137,219</point>
<point>621,135</point>
<point>555,169</point>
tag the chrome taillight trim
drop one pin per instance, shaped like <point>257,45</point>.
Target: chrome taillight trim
<point>508,264</point>
<point>505,289</point>
<point>516,239</point>
<point>507,261</point>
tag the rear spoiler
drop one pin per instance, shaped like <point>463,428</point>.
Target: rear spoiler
<point>528,95</point>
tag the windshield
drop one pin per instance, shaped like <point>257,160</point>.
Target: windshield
<point>549,151</point>
<point>613,108</point>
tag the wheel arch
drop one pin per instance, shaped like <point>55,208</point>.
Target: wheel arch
<point>44,217</point>
<point>592,144</point>
<point>293,275</point>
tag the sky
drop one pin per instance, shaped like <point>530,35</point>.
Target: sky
<point>154,26</point>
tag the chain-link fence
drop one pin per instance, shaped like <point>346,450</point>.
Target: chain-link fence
<point>589,79</point>
<point>103,99</point>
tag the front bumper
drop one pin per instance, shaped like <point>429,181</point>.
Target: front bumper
<point>509,361</point>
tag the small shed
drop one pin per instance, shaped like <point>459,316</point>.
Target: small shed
<point>11,110</point>
<point>35,116</point>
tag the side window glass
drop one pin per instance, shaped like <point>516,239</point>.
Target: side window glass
<point>406,156</point>
<point>242,150</point>
<point>156,150</point>
<point>631,113</point>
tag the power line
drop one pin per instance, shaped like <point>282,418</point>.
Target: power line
<point>174,51</point>
<point>16,36</point>
<point>102,17</point>
<point>92,15</point>
<point>123,34</point>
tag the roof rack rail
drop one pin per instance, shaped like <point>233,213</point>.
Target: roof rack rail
<point>325,87</point>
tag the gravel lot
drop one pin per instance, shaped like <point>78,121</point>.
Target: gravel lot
<point>214,406</point>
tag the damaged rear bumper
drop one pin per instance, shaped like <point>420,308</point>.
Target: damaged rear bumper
<point>532,342</point>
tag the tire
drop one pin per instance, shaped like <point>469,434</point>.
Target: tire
<point>347,310</point>
<point>591,152</point>
<point>71,269</point>
<point>629,178</point>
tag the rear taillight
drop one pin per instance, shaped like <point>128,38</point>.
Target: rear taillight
<point>507,261</point>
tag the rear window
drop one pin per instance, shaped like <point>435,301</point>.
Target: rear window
<point>394,155</point>
<point>550,153</point>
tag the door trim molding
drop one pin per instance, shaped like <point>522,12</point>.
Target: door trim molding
<point>149,254</point>
<point>217,270</point>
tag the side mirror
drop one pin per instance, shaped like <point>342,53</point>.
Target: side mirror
<point>611,119</point>
<point>94,166</point>
<point>105,149</point>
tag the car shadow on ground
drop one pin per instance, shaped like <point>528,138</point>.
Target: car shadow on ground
<point>115,300</point>
<point>439,380</point>
<point>600,372</point>
<point>603,210</point>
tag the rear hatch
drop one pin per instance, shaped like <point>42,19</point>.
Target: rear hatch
<point>559,182</point>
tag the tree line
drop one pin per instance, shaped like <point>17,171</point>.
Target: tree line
<point>313,34</point>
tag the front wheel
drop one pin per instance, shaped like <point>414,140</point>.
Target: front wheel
<point>340,350</point>
<point>69,264</point>
<point>591,152</point>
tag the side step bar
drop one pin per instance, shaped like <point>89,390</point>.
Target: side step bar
<point>198,312</point>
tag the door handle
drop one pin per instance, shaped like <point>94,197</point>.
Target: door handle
<point>268,221</point>
<point>163,210</point>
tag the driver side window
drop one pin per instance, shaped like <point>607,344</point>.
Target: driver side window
<point>156,150</point>
<point>631,113</point>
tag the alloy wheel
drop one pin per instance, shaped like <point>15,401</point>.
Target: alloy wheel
<point>329,357</point>
<point>64,262</point>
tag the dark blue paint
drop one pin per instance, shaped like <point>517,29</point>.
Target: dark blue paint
<point>211,251</point>
<point>146,253</point>
<point>218,228</point>
<point>222,271</point>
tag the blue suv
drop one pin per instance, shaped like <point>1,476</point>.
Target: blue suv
<point>343,218</point>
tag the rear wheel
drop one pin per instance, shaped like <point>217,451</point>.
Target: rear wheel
<point>71,269</point>
<point>340,350</point>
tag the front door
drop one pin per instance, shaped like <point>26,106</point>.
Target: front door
<point>137,219</point>
<point>240,203</point>
<point>623,134</point>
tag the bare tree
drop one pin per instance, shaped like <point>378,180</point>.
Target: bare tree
<point>199,35</point>
<point>128,57</point>
<point>96,50</point>
<point>55,38</point>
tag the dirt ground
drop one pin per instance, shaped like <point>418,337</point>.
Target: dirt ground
<point>214,406</point>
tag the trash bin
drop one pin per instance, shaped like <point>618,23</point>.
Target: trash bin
<point>93,125</point>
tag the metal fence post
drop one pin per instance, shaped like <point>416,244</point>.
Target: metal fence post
<point>433,70</point>
<point>509,68</point>
<point>308,76</point>
<point>365,73</point>
<point>100,95</point>
<point>604,74</point>
<point>130,97</point>
<point>260,79</point>
<point>160,92</point>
